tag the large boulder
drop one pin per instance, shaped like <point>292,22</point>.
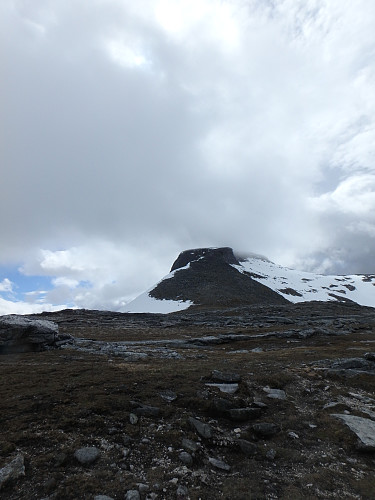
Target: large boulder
<point>21,334</point>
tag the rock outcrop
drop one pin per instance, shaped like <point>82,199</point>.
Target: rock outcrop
<point>20,334</point>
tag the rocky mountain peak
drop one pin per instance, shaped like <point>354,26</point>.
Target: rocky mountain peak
<point>223,255</point>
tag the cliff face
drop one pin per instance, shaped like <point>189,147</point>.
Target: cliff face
<point>210,281</point>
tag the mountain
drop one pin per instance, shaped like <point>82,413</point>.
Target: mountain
<point>217,277</point>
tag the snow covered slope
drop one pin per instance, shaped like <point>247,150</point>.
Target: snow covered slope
<point>208,277</point>
<point>298,286</point>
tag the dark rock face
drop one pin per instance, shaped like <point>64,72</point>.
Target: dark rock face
<point>20,334</point>
<point>224,254</point>
<point>211,281</point>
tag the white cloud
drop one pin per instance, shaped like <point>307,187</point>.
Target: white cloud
<point>6,285</point>
<point>137,129</point>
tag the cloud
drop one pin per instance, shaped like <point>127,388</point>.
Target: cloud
<point>6,285</point>
<point>135,130</point>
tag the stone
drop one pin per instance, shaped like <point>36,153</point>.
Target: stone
<point>364,428</point>
<point>275,393</point>
<point>220,407</point>
<point>168,395</point>
<point>182,492</point>
<point>20,334</point>
<point>133,419</point>
<point>226,388</point>
<point>87,455</point>
<point>244,414</point>
<point>102,497</point>
<point>132,495</point>
<point>185,458</point>
<point>266,429</point>
<point>190,445</point>
<point>219,464</point>
<point>247,447</point>
<point>370,356</point>
<point>228,378</point>
<point>204,430</point>
<point>13,470</point>
<point>271,454</point>
<point>147,411</point>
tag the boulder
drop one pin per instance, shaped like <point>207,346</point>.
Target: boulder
<point>364,428</point>
<point>21,334</point>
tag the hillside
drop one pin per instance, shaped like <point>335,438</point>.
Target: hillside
<point>216,277</point>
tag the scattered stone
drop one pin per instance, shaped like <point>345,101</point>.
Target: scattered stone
<point>204,430</point>
<point>248,448</point>
<point>275,393</point>
<point>228,378</point>
<point>271,454</point>
<point>265,429</point>
<point>190,445</point>
<point>219,464</point>
<point>220,407</point>
<point>293,435</point>
<point>87,455</point>
<point>244,414</point>
<point>147,411</point>
<point>182,492</point>
<point>370,356</point>
<point>102,497</point>
<point>133,419</point>
<point>168,395</point>
<point>226,388</point>
<point>364,428</point>
<point>142,488</point>
<point>12,471</point>
<point>257,349</point>
<point>132,495</point>
<point>185,458</point>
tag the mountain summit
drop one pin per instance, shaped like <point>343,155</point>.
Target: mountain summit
<point>217,278</point>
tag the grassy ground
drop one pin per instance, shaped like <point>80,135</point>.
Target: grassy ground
<point>52,403</point>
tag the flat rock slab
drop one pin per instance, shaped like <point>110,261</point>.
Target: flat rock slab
<point>226,388</point>
<point>219,464</point>
<point>275,393</point>
<point>364,428</point>
<point>12,471</point>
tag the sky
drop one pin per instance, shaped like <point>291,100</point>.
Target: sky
<point>131,131</point>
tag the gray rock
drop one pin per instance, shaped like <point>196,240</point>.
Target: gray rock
<point>228,378</point>
<point>190,445</point>
<point>370,356</point>
<point>265,429</point>
<point>185,458</point>
<point>133,419</point>
<point>182,492</point>
<point>219,464</point>
<point>220,407</point>
<point>271,454</point>
<point>87,455</point>
<point>274,393</point>
<point>226,388</point>
<point>204,430</point>
<point>102,497</point>
<point>132,495</point>
<point>20,334</point>
<point>364,428</point>
<point>168,395</point>
<point>244,414</point>
<point>12,471</point>
<point>248,448</point>
<point>147,411</point>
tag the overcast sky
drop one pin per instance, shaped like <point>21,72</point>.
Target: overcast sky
<point>132,130</point>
